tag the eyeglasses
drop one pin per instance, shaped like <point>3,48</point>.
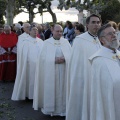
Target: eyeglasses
<point>111,34</point>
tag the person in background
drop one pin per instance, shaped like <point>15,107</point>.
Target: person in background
<point>65,31</point>
<point>17,28</point>
<point>40,33</point>
<point>113,24</point>
<point>27,57</point>
<point>79,29</point>
<point>70,33</point>
<point>51,28</point>
<point>22,37</point>
<point>21,23</point>
<point>118,32</point>
<point>47,31</point>
<point>8,50</point>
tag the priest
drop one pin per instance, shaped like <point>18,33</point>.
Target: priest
<point>105,83</point>
<point>8,50</point>
<point>51,75</point>
<point>78,89</point>
<point>22,37</point>
<point>30,48</point>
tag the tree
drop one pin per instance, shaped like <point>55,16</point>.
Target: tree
<point>10,8</point>
<point>11,11</point>
<point>111,12</point>
<point>80,5</point>
<point>38,4</point>
<point>2,11</point>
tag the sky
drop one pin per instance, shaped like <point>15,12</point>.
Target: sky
<point>64,15</point>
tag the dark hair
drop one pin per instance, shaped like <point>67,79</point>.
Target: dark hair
<point>99,33</point>
<point>92,15</point>
<point>80,27</point>
<point>70,25</point>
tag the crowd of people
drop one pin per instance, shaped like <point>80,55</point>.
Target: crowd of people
<point>70,71</point>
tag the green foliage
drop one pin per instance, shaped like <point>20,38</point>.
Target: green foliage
<point>111,12</point>
<point>2,10</point>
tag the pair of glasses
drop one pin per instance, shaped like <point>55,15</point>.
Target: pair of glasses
<point>111,34</point>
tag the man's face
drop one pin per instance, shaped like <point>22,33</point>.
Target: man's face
<point>93,25</point>
<point>34,32</point>
<point>109,38</point>
<point>7,30</point>
<point>57,32</point>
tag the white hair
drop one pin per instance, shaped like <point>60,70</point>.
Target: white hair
<point>25,24</point>
<point>17,25</point>
<point>7,27</point>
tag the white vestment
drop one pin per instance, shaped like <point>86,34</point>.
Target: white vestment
<point>50,82</point>
<point>105,85</point>
<point>79,77</point>
<point>21,38</point>
<point>24,83</point>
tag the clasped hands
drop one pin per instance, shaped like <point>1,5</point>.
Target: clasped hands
<point>59,60</point>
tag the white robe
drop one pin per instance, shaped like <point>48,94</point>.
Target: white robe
<point>105,85</point>
<point>24,83</point>
<point>21,38</point>
<point>79,77</point>
<point>50,82</point>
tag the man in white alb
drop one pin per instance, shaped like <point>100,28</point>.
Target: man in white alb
<point>51,76</point>
<point>78,88</point>
<point>105,84</point>
<point>22,37</point>
<point>24,83</point>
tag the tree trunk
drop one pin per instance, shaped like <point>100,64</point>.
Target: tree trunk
<point>10,12</point>
<point>51,12</point>
<point>31,14</point>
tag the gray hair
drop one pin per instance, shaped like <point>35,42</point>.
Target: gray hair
<point>25,24</point>
<point>7,27</point>
<point>47,25</point>
<point>17,25</point>
<point>100,31</point>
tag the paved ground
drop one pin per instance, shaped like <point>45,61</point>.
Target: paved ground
<point>21,110</point>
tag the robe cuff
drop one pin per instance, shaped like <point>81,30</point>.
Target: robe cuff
<point>14,50</point>
<point>2,50</point>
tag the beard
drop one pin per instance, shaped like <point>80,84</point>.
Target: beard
<point>114,44</point>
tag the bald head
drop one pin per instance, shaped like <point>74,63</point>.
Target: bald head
<point>57,31</point>
<point>26,27</point>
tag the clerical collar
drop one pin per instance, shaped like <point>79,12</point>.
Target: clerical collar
<point>94,36</point>
<point>56,39</point>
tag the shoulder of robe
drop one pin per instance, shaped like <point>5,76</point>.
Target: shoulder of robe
<point>98,63</point>
<point>82,37</point>
<point>95,55</point>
